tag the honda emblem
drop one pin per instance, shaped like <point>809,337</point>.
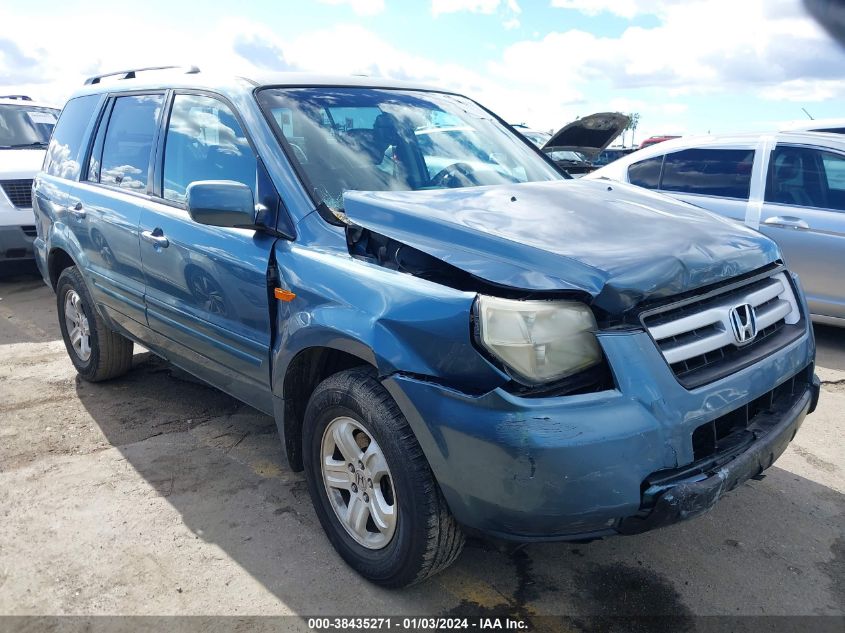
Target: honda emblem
<point>743,323</point>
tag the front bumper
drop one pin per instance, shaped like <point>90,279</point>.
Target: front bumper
<point>687,494</point>
<point>16,243</point>
<point>574,467</point>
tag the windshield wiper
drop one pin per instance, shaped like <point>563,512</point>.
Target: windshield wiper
<point>38,144</point>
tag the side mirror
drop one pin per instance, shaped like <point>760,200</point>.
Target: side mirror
<point>221,203</point>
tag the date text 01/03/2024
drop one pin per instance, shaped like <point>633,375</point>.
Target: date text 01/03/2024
<point>416,624</point>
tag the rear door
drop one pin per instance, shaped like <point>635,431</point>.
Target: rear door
<point>207,292</point>
<point>804,212</point>
<point>715,178</point>
<point>104,207</point>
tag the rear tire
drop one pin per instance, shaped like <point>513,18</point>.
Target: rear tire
<point>97,352</point>
<point>423,537</point>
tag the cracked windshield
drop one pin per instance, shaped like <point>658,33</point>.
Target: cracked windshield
<point>379,140</point>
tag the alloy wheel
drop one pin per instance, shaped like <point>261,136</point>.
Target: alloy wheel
<point>358,483</point>
<point>78,329</point>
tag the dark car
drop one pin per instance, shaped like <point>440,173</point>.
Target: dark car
<point>575,147</point>
<point>653,140</point>
<point>611,154</point>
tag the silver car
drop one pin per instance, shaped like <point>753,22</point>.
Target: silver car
<point>788,185</point>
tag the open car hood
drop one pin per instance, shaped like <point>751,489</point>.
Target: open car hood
<point>619,243</point>
<point>589,135</point>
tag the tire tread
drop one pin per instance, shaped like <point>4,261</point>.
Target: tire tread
<point>444,538</point>
<point>114,351</point>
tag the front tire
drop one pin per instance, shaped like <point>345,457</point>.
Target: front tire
<point>372,488</point>
<point>97,352</point>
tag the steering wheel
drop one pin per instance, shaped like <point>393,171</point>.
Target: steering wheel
<point>454,176</point>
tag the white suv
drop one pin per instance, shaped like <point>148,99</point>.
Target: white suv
<point>25,128</point>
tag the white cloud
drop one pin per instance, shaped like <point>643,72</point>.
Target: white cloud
<point>361,7</point>
<point>508,10</point>
<point>805,91</point>
<point>365,53</point>
<point>439,7</point>
<point>695,49</point>
<point>623,8</point>
<point>768,50</point>
<point>231,46</point>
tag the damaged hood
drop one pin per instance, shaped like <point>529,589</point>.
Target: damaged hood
<point>619,243</point>
<point>589,135</point>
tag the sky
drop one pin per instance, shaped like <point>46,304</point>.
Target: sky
<point>686,66</point>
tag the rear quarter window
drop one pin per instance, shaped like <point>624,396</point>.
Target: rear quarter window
<point>66,145</point>
<point>725,173</point>
<point>646,173</point>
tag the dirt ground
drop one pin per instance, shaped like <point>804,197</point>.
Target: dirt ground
<point>153,494</point>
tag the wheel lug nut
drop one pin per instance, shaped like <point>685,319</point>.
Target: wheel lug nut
<point>369,483</point>
<point>360,465</point>
<point>366,498</point>
<point>354,488</point>
<point>351,468</point>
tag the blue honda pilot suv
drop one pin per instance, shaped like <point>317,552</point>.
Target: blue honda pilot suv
<point>452,335</point>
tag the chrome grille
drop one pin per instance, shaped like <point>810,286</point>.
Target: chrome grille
<point>19,192</point>
<point>697,338</point>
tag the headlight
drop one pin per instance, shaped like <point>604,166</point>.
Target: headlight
<point>540,341</point>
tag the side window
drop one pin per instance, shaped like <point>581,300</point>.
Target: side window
<point>646,173</point>
<point>129,141</point>
<point>711,172</point>
<point>204,142</point>
<point>63,153</point>
<point>834,172</point>
<point>93,174</point>
<point>806,177</point>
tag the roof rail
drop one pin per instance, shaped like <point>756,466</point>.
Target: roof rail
<point>130,74</point>
<point>16,97</point>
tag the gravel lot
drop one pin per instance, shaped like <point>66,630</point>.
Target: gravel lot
<point>153,494</point>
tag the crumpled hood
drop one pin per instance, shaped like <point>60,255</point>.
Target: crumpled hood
<point>619,243</point>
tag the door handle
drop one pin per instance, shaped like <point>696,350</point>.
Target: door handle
<point>787,222</point>
<point>155,237</point>
<point>77,211</point>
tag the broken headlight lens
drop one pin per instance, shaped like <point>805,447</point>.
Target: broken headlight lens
<point>540,341</point>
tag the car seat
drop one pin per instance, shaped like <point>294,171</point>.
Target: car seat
<point>790,184</point>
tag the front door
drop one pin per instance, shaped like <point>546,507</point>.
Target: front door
<point>804,212</point>
<point>206,287</point>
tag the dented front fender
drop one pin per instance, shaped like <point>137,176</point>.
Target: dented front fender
<point>395,321</point>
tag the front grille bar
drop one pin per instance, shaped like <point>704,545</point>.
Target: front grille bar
<point>696,337</point>
<point>710,329</point>
<point>19,192</point>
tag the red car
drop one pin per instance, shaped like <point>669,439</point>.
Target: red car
<point>652,140</point>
